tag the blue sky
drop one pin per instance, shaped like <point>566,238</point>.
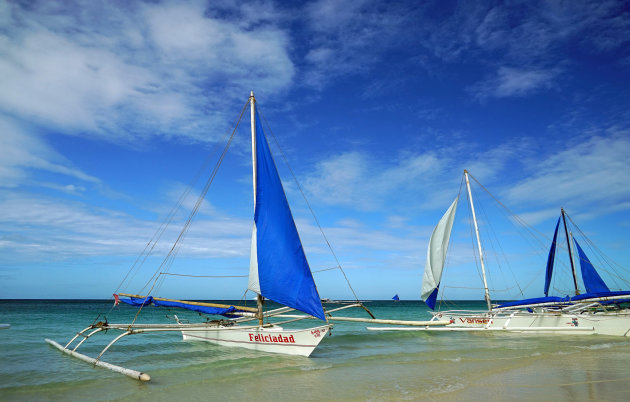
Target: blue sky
<point>107,110</point>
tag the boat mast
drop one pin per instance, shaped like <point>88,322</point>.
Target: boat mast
<point>566,232</point>
<point>483,267</point>
<point>252,100</point>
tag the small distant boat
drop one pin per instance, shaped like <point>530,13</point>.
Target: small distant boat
<point>5,326</point>
<point>396,298</point>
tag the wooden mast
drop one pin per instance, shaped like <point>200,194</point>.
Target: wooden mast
<point>252,100</point>
<point>566,232</point>
<point>483,267</point>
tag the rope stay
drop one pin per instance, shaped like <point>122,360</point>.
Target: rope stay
<point>173,251</point>
<point>230,276</point>
<point>603,259</point>
<point>308,204</point>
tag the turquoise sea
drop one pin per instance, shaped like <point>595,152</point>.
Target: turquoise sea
<point>352,364</point>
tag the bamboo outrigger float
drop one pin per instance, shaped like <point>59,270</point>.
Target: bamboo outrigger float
<point>128,372</point>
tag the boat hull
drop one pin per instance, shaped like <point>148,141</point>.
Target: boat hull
<point>613,323</point>
<point>272,339</point>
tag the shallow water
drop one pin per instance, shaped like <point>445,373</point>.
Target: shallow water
<point>352,364</point>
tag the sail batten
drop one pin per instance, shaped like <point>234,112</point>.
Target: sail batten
<point>436,256</point>
<point>254,283</point>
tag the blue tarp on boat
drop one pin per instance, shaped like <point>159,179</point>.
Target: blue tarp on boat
<point>567,299</point>
<point>194,307</point>
<point>535,300</point>
<point>594,295</point>
<point>138,301</point>
<point>145,301</point>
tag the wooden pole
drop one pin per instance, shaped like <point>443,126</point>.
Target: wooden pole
<point>128,372</point>
<point>250,309</point>
<point>483,267</point>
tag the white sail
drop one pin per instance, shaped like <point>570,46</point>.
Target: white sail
<point>436,253</point>
<point>254,282</point>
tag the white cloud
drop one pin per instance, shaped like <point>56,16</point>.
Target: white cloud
<point>241,52</point>
<point>514,82</point>
<point>584,175</point>
<point>123,72</point>
<point>526,45</point>
<point>521,173</point>
<point>36,228</point>
<point>54,81</point>
<point>349,37</point>
<point>527,32</point>
<point>22,152</point>
<point>357,180</point>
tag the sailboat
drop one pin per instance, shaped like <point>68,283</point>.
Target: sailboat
<point>597,311</point>
<point>396,298</point>
<point>278,271</point>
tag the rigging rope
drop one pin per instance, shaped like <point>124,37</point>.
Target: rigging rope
<point>604,259</point>
<point>201,197</point>
<point>493,239</point>
<point>151,244</point>
<point>205,276</point>
<point>230,276</point>
<point>516,217</point>
<point>309,205</point>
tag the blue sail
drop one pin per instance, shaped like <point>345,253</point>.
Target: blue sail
<point>592,281</point>
<point>396,298</point>
<point>550,259</point>
<point>284,275</point>
<point>430,301</point>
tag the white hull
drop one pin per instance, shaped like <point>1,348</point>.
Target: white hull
<point>272,339</point>
<point>586,323</point>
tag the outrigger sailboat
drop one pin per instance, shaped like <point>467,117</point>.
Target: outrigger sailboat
<point>597,311</point>
<point>278,271</point>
